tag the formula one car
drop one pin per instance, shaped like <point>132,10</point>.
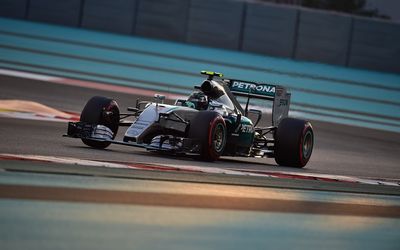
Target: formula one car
<point>210,122</point>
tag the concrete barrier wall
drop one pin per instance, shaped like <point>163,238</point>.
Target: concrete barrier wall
<point>215,23</point>
<point>323,37</point>
<point>65,12</point>
<point>375,45</point>
<point>247,25</point>
<point>165,19</point>
<point>269,29</point>
<point>13,8</point>
<point>115,16</point>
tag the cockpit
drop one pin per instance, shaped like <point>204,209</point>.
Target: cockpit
<point>213,95</point>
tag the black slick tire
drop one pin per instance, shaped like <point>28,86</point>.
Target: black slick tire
<point>209,128</point>
<point>294,141</point>
<point>101,111</point>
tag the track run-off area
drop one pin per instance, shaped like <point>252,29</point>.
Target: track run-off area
<point>56,193</point>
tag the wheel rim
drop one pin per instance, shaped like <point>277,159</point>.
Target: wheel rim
<point>111,116</point>
<point>219,137</point>
<point>307,145</point>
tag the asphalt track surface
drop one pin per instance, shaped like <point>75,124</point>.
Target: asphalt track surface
<point>118,218</point>
<point>339,149</point>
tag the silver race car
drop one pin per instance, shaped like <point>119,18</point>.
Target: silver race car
<point>210,123</point>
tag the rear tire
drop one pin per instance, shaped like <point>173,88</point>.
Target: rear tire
<point>294,141</point>
<point>101,111</point>
<point>209,128</point>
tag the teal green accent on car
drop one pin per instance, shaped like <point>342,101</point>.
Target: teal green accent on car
<point>252,88</point>
<point>240,140</point>
<point>246,121</point>
<point>230,120</point>
<point>246,132</point>
<point>189,104</point>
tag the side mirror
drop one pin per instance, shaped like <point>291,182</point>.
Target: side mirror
<point>140,105</point>
<point>258,113</point>
<point>159,98</point>
<point>132,109</point>
<point>180,102</point>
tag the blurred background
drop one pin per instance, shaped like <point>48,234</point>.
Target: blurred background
<point>351,33</point>
<point>340,59</point>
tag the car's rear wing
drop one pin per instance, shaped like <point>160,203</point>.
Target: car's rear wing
<point>257,90</point>
<point>275,93</point>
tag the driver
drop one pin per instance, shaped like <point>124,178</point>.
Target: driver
<point>199,99</point>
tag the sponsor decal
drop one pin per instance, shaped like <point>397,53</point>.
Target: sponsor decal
<point>283,102</point>
<point>248,87</point>
<point>247,129</point>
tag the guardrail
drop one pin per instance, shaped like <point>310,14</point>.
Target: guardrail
<point>251,26</point>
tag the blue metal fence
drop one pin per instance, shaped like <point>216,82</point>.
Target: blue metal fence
<point>251,26</point>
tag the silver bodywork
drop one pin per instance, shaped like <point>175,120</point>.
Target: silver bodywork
<point>280,108</point>
<point>147,120</point>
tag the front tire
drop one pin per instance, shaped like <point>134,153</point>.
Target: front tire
<point>101,111</point>
<point>294,142</point>
<point>210,129</point>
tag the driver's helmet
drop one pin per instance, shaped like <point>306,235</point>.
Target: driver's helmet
<point>199,99</point>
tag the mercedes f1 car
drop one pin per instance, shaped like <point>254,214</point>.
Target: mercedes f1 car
<point>211,123</point>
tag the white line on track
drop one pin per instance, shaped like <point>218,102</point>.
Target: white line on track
<point>188,168</point>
